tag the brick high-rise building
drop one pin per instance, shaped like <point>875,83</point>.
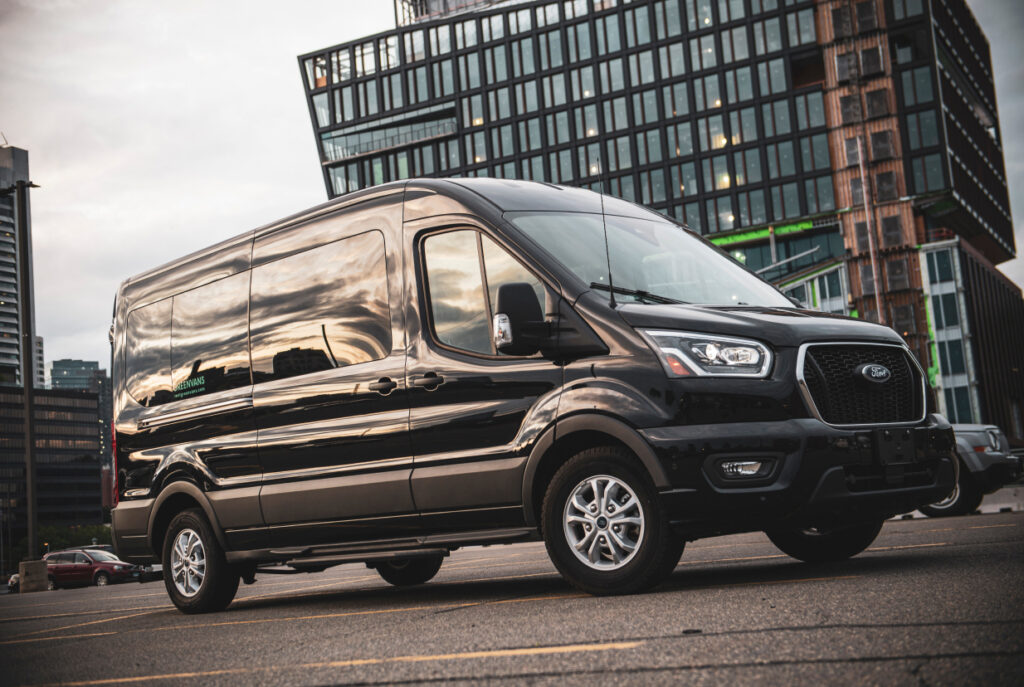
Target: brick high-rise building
<point>838,147</point>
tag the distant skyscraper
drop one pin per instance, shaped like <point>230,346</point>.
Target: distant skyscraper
<point>86,375</point>
<point>13,168</point>
<point>39,365</point>
<point>839,148</point>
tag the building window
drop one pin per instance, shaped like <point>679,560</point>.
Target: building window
<point>781,161</point>
<point>743,124</point>
<point>820,194</point>
<point>618,154</point>
<point>892,231</point>
<point>866,19</point>
<point>529,134</point>
<point>638,27</point>
<point>532,168</point>
<point>645,107</point>
<point>702,52</point>
<point>607,30</point>
<point>667,18</point>
<point>878,103</point>
<point>526,97</point>
<point>612,76</point>
<point>364,59</point>
<point>440,38</point>
<point>367,98</point>
<point>882,145</point>
<point>680,139</point>
<point>885,182</point>
<point>495,64</point>
<point>583,85</point>
<point>698,14</point>
<point>752,208</point>
<point>388,50</point>
<point>716,173</point>
<point>475,146</point>
<point>775,117</point>
<point>917,86</point>
<point>416,85</point>
<point>946,312</point>
<point>922,129</point>
<point>522,57</point>
<point>734,44</point>
<point>392,91</point>
<point>846,66</point>
<point>652,186</point>
<point>711,133</point>
<point>675,100</point>
<point>860,233</point>
<point>856,192</point>
<point>692,214</point>
<point>867,285</point>
<point>814,152</point>
<point>586,121</point>
<point>897,275</point>
<point>739,85</point>
<point>641,68</point>
<point>551,49</point>
<point>493,27</point>
<point>578,39</point>
<point>747,164</point>
<point>706,92</point>
<point>902,9</point>
<point>561,165</point>
<point>322,107</point>
<point>444,79</point>
<point>928,173</point>
<point>616,114</point>
<point>801,28</point>
<point>767,36</point>
<point>684,180</point>
<point>785,201</point>
<point>519,21</point>
<point>720,214</point>
<point>341,63</point>
<point>499,104</point>
<point>730,10</point>
<point>465,34</point>
<point>622,187</point>
<point>473,111</point>
<point>672,61</point>
<point>771,77</point>
<point>810,110</point>
<point>871,61</point>
<point>842,27</point>
<point>849,107</point>
<point>903,319</point>
<point>554,90</point>
<point>589,158</point>
<point>469,70</point>
<point>547,15</point>
<point>558,128</point>
<point>852,151</point>
<point>648,147</point>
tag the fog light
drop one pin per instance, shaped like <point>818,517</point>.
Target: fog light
<point>734,469</point>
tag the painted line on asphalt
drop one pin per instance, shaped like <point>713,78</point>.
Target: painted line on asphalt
<point>791,581</point>
<point>91,622</point>
<point>47,639</point>
<point>741,558</point>
<point>425,658</point>
<point>908,546</point>
<point>79,613</point>
<point>988,527</point>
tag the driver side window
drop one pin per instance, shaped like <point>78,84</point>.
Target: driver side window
<point>464,270</point>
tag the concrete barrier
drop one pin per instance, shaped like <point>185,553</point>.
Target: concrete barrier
<point>32,576</point>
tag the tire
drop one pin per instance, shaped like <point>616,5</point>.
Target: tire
<point>102,579</point>
<point>404,572</point>
<point>825,546</point>
<point>572,516</point>
<point>200,580</point>
<point>51,584</point>
<point>965,498</point>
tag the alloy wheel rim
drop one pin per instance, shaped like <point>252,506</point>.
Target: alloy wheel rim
<point>603,522</point>
<point>949,500</point>
<point>188,562</point>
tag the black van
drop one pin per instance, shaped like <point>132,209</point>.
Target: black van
<point>433,364</point>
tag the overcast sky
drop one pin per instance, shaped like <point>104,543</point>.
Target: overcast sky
<point>157,128</point>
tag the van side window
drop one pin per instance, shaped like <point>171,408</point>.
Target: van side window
<point>209,338</point>
<point>463,287</point>
<point>148,353</point>
<point>323,308</point>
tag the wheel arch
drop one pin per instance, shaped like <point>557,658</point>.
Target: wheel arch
<point>572,435</point>
<point>173,499</point>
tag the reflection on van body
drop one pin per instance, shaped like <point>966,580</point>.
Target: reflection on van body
<point>441,363</point>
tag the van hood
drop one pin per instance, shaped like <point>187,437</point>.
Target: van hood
<point>777,326</point>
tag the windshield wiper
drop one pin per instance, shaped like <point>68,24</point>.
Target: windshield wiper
<point>644,295</point>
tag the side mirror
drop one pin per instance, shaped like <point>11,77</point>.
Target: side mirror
<point>519,326</point>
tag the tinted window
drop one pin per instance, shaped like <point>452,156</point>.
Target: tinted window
<point>502,268</point>
<point>148,353</point>
<point>320,309</point>
<point>82,558</point>
<point>209,338</point>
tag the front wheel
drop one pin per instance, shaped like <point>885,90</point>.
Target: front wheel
<point>51,584</point>
<point>825,545</point>
<point>200,580</point>
<point>403,572</point>
<point>102,579</point>
<point>965,498</point>
<point>603,525</point>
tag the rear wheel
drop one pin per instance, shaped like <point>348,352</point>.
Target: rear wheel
<point>51,584</point>
<point>404,572</point>
<point>821,545</point>
<point>199,578</point>
<point>965,498</point>
<point>101,579</point>
<point>603,525</point>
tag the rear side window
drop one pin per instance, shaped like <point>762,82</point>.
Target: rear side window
<point>209,338</point>
<point>320,309</point>
<point>464,270</point>
<point>148,353</point>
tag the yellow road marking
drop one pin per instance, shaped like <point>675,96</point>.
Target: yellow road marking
<point>91,622</point>
<point>908,546</point>
<point>46,639</point>
<point>460,656</point>
<point>742,558</point>
<point>77,613</point>
<point>986,527</point>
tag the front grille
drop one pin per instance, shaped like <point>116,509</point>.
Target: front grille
<point>841,398</point>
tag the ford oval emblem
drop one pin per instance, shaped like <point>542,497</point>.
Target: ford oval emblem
<point>873,372</point>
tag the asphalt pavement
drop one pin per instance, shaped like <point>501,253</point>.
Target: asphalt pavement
<point>932,602</point>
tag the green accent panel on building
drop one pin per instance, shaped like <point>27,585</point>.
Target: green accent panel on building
<point>756,234</point>
<point>933,369</point>
<point>855,313</point>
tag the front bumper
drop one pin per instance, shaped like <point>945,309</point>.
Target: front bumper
<point>820,474</point>
<point>992,469</point>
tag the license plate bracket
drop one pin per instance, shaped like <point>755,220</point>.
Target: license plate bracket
<point>894,446</point>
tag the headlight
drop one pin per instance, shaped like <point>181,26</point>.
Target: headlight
<point>685,354</point>
<point>993,439</point>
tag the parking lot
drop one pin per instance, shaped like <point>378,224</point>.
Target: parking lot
<point>931,602</point>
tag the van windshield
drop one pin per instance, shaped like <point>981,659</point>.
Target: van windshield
<point>652,260</point>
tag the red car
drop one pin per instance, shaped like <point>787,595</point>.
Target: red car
<point>78,567</point>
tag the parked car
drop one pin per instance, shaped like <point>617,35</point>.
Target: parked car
<point>13,583</point>
<point>986,463</point>
<point>80,567</point>
<point>433,364</point>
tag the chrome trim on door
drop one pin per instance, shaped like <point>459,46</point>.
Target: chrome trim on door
<point>805,391</point>
<point>194,412</point>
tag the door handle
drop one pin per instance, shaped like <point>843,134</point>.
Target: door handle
<point>384,386</point>
<point>429,381</point>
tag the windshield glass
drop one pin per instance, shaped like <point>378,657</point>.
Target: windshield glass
<point>101,555</point>
<point>652,256</point>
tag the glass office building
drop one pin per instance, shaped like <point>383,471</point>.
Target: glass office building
<point>824,143</point>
